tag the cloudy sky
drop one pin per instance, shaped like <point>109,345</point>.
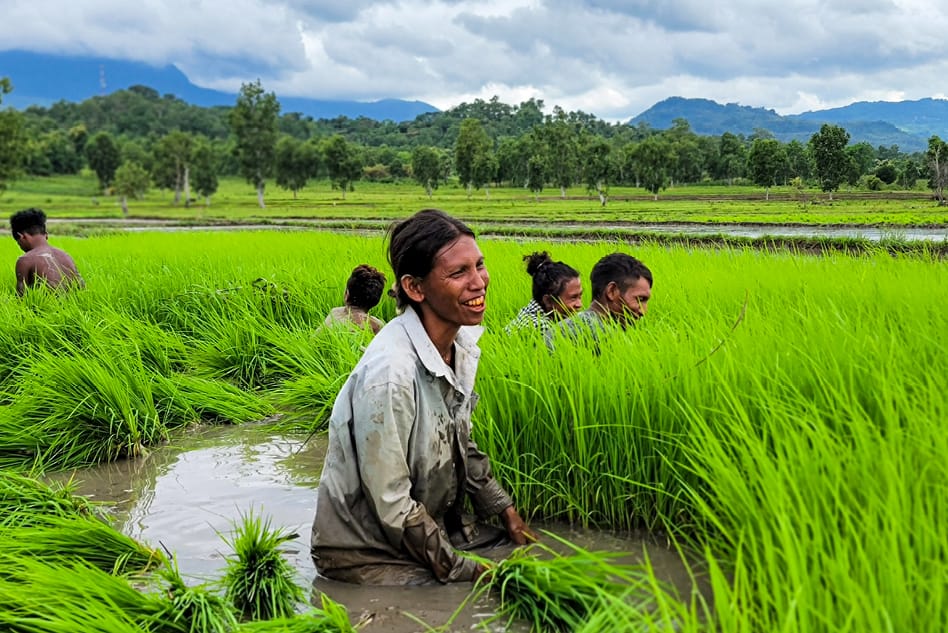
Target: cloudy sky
<point>611,58</point>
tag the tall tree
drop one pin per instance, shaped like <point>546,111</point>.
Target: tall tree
<point>472,154</point>
<point>766,162</point>
<point>12,142</point>
<point>426,167</point>
<point>937,159</point>
<point>131,180</point>
<point>344,163</point>
<point>829,155</point>
<point>652,159</point>
<point>799,160</point>
<point>104,158</point>
<point>730,159</point>
<point>536,174</point>
<point>597,168</point>
<point>206,165</point>
<point>254,124</point>
<point>173,160</point>
<point>560,138</point>
<point>296,162</point>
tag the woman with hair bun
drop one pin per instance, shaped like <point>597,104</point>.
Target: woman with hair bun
<point>557,293</point>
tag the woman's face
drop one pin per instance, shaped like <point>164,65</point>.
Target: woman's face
<point>570,300</point>
<point>456,288</point>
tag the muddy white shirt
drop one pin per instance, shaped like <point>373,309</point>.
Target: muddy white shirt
<point>401,458</point>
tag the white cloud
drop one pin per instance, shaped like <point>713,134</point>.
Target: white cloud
<point>612,58</point>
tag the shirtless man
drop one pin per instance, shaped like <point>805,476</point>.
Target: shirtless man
<point>41,263</point>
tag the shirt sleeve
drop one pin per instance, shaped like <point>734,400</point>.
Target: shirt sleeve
<point>383,419</point>
<point>487,495</point>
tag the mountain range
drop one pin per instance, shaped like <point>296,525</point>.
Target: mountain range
<point>908,124</point>
<point>42,79</point>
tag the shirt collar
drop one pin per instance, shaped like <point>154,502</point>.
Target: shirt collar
<point>466,351</point>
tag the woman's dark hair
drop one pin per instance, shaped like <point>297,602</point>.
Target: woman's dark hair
<point>365,287</point>
<point>414,243</point>
<point>549,277</point>
<point>32,221</point>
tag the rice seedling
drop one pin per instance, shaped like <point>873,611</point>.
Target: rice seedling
<point>41,596</point>
<point>258,580</point>
<point>193,609</point>
<point>554,591</point>
<point>66,538</point>
<point>83,408</point>
<point>182,399</point>
<point>331,618</point>
<point>24,498</point>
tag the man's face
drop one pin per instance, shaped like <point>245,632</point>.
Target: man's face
<point>23,241</point>
<point>630,304</point>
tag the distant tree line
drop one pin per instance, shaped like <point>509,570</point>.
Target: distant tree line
<point>134,139</point>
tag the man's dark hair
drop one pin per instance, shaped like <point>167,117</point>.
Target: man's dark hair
<point>549,277</point>
<point>414,243</point>
<point>365,287</point>
<point>620,268</point>
<point>32,221</point>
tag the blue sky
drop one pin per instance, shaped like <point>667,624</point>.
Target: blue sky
<point>612,58</point>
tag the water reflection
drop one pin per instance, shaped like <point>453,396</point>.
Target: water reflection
<point>188,494</point>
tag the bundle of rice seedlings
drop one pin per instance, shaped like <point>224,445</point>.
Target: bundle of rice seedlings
<point>193,609</point>
<point>23,499</point>
<point>258,581</point>
<point>39,596</point>
<point>76,538</point>
<point>557,592</point>
<point>182,399</point>
<point>332,618</point>
<point>81,408</point>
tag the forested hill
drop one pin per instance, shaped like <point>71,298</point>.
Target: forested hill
<point>907,124</point>
<point>141,113</point>
<point>42,80</point>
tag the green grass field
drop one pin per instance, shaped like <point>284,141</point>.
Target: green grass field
<point>77,197</point>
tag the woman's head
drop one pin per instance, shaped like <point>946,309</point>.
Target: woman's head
<point>556,286</point>
<point>430,242</point>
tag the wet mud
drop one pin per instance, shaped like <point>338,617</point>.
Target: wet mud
<point>188,495</point>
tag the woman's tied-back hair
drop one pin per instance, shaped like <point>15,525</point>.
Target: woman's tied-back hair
<point>365,287</point>
<point>414,243</point>
<point>549,277</point>
<point>32,221</point>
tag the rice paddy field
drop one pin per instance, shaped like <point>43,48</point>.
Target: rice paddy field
<point>777,417</point>
<point>235,202</point>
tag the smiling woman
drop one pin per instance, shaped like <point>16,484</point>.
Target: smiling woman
<point>401,463</point>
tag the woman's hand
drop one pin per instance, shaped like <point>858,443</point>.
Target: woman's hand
<point>516,528</point>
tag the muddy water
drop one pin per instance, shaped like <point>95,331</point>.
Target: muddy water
<point>188,494</point>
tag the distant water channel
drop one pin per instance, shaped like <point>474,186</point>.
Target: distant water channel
<point>910,234</point>
<point>186,495</point>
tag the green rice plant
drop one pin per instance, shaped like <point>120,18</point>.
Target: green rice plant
<point>80,408</point>
<point>258,580</point>
<point>68,538</point>
<point>183,399</point>
<point>316,365</point>
<point>23,499</point>
<point>331,618</point>
<point>553,591</point>
<point>42,596</point>
<point>192,609</point>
